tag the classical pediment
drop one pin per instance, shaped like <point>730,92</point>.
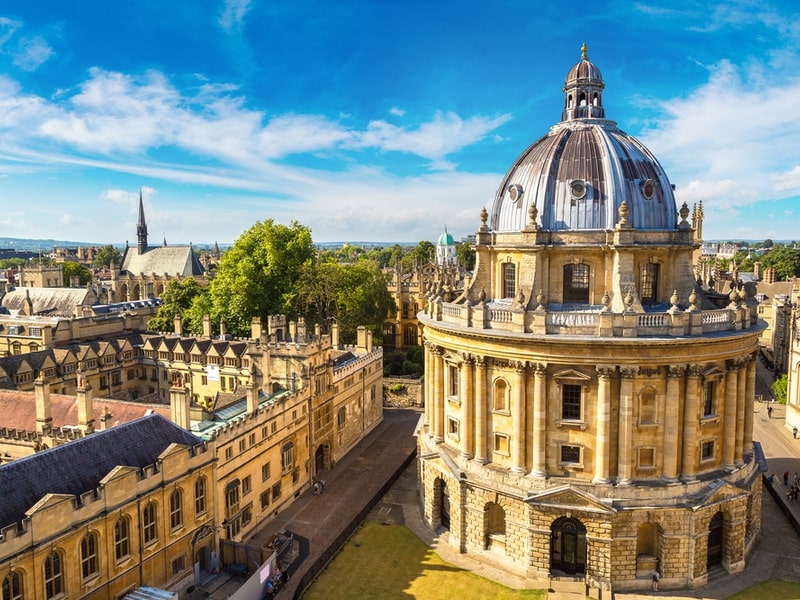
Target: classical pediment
<point>717,491</point>
<point>570,498</point>
<point>572,375</point>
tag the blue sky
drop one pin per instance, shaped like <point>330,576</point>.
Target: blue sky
<point>375,120</point>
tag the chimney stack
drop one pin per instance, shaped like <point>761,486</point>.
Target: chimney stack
<point>41,390</point>
<point>179,404</point>
<point>85,406</point>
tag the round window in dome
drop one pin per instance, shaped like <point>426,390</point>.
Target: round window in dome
<point>577,188</point>
<point>648,188</point>
<point>515,192</point>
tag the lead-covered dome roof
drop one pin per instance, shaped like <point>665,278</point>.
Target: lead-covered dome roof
<point>579,174</point>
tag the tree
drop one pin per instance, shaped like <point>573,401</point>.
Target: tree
<point>258,275</point>
<point>177,299</point>
<point>352,294</point>
<point>785,260</point>
<point>10,263</point>
<point>73,269</point>
<point>423,253</point>
<point>106,256</point>
<point>466,255</point>
<point>780,387</point>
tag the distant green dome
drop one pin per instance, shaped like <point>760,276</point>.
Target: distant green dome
<point>446,239</point>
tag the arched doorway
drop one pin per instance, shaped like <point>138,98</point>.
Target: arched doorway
<point>568,546</point>
<point>322,458</point>
<point>715,540</point>
<point>442,499</point>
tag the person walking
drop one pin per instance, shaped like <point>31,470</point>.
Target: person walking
<point>656,577</point>
<point>769,411</point>
<point>794,431</point>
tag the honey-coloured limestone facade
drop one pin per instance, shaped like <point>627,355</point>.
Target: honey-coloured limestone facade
<point>588,405</point>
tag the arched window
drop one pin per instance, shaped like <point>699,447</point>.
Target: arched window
<point>509,280</point>
<point>122,545</point>
<point>410,336</point>
<point>576,284</point>
<point>12,586</point>
<point>89,565</point>
<point>200,495</point>
<point>53,575</point>
<point>500,395</point>
<point>175,509</point>
<point>149,522</point>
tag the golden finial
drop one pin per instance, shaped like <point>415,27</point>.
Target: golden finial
<point>583,52</point>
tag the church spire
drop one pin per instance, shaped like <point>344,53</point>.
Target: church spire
<point>141,227</point>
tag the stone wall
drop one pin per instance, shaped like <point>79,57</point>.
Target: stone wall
<point>409,397</point>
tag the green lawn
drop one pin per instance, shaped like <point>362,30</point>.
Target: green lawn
<point>388,562</point>
<point>774,590</point>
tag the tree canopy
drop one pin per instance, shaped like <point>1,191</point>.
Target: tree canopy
<point>177,299</point>
<point>780,387</point>
<point>257,276</point>
<point>785,260</point>
<point>73,269</point>
<point>106,256</point>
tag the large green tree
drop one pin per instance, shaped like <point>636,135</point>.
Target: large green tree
<point>177,299</point>
<point>785,260</point>
<point>258,275</point>
<point>106,256</point>
<point>73,269</point>
<point>352,294</point>
<point>466,255</point>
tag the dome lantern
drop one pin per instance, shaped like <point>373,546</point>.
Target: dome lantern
<point>583,91</point>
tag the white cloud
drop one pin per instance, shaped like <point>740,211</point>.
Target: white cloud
<point>233,14</point>
<point>397,112</point>
<point>32,53</point>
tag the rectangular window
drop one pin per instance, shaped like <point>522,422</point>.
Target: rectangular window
<point>178,565</point>
<point>501,443</point>
<point>571,402</point>
<point>247,514</point>
<point>252,439</point>
<point>571,455</point>
<point>228,453</point>
<point>265,472</point>
<point>264,499</point>
<point>576,284</point>
<point>452,380</point>
<point>708,399</point>
<point>242,445</point>
<point>246,487</point>
<point>276,491</point>
<point>509,280</point>
<point>649,287</point>
<point>452,428</point>
<point>707,450</point>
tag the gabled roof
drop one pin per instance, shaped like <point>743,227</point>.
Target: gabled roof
<point>165,260</point>
<point>79,466</point>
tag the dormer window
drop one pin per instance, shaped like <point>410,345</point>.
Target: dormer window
<point>577,188</point>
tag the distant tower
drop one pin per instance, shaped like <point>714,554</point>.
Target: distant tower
<point>445,249</point>
<point>141,227</point>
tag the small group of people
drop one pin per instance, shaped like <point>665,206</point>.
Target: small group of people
<point>319,487</point>
<point>278,578</point>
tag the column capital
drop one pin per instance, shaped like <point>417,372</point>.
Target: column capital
<point>467,358</point>
<point>539,369</point>
<point>520,366</point>
<point>694,370</point>
<point>480,361</point>
<point>628,372</point>
<point>676,372</point>
<point>605,371</point>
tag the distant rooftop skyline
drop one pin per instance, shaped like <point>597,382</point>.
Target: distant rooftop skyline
<point>378,121</point>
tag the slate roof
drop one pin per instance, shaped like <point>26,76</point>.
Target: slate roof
<point>78,466</point>
<point>165,260</point>
<point>49,301</point>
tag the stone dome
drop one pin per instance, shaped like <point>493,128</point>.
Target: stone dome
<point>579,173</point>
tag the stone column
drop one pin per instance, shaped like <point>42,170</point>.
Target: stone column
<point>428,400</point>
<point>749,406</point>
<point>466,431</point>
<point>671,421</point>
<point>625,440</point>
<point>539,421</point>
<point>481,451</point>
<point>741,389</point>
<point>729,417</point>
<point>603,436</point>
<point>691,416</point>
<point>438,395</point>
<point>518,418</point>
